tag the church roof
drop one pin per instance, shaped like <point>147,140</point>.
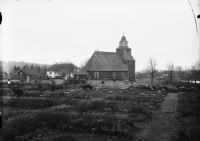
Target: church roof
<point>123,47</point>
<point>106,61</point>
<point>128,57</point>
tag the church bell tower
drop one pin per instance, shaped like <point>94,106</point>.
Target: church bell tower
<point>125,53</point>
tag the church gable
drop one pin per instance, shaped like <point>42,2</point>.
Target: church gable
<point>106,61</point>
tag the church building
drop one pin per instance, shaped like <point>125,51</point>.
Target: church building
<point>119,65</point>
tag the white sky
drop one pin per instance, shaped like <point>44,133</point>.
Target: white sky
<point>43,31</point>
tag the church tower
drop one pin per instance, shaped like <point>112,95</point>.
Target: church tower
<point>125,53</point>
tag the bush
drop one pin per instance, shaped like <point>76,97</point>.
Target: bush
<point>165,82</point>
<point>33,94</point>
<point>82,106</point>
<point>97,105</point>
<point>140,108</point>
<point>52,119</point>
<point>31,103</point>
<point>62,137</point>
<point>112,106</point>
<point>4,90</point>
<point>55,118</point>
<point>118,97</point>
<point>186,106</point>
<point>19,125</point>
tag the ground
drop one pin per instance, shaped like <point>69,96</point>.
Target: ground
<point>163,124</point>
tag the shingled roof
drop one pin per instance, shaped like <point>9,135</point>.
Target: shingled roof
<point>128,57</point>
<point>123,47</point>
<point>62,67</point>
<point>106,61</point>
<point>30,72</point>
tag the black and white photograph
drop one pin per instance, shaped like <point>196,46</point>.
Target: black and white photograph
<point>99,70</point>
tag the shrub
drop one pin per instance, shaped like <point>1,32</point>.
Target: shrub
<point>4,91</point>
<point>123,98</point>
<point>19,125</point>
<point>81,106</point>
<point>112,106</point>
<point>55,118</point>
<point>52,119</point>
<point>62,137</point>
<point>97,105</point>
<point>187,106</point>
<point>110,97</point>
<point>31,103</point>
<point>140,108</point>
<point>165,82</point>
<point>33,94</point>
<point>61,108</point>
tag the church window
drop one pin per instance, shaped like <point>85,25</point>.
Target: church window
<point>20,73</point>
<point>96,74</point>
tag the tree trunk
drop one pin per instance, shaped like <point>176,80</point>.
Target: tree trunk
<point>152,75</point>
<point>170,77</point>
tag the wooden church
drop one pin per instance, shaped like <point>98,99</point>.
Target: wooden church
<point>119,65</point>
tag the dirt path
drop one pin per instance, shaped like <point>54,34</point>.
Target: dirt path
<point>162,126</point>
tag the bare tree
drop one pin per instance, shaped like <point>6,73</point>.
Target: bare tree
<point>152,64</point>
<point>195,70</point>
<point>170,68</point>
<point>83,65</point>
<point>179,73</point>
<point>187,74</point>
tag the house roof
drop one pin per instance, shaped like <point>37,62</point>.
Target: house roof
<point>63,67</point>
<point>29,71</point>
<point>106,61</point>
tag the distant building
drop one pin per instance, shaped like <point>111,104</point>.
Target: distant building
<point>53,74</point>
<point>61,71</point>
<point>113,65</point>
<point>27,74</point>
<point>4,76</point>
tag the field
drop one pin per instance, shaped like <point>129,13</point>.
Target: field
<point>109,114</point>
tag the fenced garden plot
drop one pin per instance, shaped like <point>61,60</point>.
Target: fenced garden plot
<point>87,123</point>
<point>103,113</point>
<point>187,103</point>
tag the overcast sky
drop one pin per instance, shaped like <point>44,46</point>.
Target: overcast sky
<point>49,31</point>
